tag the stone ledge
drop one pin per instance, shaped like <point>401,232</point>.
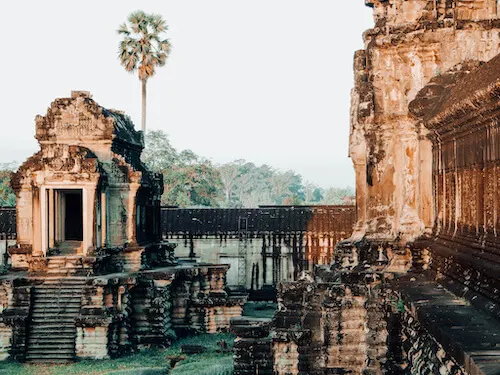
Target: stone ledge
<point>470,336</point>
<point>253,328</point>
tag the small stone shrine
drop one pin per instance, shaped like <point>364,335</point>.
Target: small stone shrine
<point>86,189</point>
<point>90,276</point>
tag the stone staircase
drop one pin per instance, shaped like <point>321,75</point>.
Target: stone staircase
<point>70,247</point>
<point>52,332</point>
<point>67,265</point>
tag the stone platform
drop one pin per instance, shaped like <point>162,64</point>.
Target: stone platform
<point>442,330</point>
<point>58,318</point>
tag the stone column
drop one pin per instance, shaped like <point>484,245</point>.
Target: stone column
<point>51,218</point>
<point>37,227</point>
<point>131,209</point>
<point>89,208</point>
<point>104,228</point>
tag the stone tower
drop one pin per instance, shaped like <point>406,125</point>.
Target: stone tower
<point>412,42</point>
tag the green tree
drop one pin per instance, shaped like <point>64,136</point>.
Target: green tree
<point>336,195</point>
<point>143,49</point>
<point>229,173</point>
<point>159,155</point>
<point>7,196</point>
<point>287,186</point>
<point>317,195</point>
<point>189,180</point>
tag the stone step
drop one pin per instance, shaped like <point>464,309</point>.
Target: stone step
<point>59,337</point>
<point>67,264</point>
<point>65,327</point>
<point>49,356</point>
<point>48,335</point>
<point>67,283</point>
<point>52,332</point>
<point>57,287</point>
<point>57,310</point>
<point>55,291</point>
<point>66,272</point>
<point>66,348</point>
<point>57,306</point>
<point>56,303</point>
<point>63,271</point>
<point>73,308</point>
<point>45,359</point>
<point>61,320</point>
<point>52,317</point>
<point>46,313</point>
<point>57,295</point>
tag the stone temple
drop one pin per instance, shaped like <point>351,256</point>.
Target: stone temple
<point>90,275</point>
<point>86,189</point>
<point>416,289</point>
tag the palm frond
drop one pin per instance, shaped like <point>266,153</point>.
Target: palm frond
<point>158,24</point>
<point>161,58</point>
<point>123,29</point>
<point>141,47</point>
<point>165,46</point>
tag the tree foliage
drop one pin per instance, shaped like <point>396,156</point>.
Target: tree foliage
<point>142,47</point>
<point>7,196</point>
<point>189,180</point>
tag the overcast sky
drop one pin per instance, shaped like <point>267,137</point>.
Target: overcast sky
<point>262,80</point>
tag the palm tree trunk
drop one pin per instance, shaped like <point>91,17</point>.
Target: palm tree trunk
<point>144,107</point>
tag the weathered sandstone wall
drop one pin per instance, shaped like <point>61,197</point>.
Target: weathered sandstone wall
<point>412,42</point>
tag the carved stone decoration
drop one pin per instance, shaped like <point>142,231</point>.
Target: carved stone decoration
<point>413,44</point>
<point>87,174</point>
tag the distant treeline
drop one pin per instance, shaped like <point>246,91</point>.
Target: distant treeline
<point>194,181</point>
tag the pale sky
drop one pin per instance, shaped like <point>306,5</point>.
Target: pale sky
<point>263,80</point>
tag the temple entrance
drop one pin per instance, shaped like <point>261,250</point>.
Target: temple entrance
<point>73,216</point>
<point>68,220</point>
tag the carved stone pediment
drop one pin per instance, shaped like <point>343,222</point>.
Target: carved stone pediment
<point>78,117</point>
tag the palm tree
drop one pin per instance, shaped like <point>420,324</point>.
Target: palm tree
<point>142,48</point>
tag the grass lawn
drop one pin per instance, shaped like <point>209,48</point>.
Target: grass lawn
<point>149,362</point>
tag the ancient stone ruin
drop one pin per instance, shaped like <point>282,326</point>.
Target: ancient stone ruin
<point>91,277</point>
<point>416,290</point>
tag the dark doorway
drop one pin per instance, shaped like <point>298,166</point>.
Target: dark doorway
<point>73,218</point>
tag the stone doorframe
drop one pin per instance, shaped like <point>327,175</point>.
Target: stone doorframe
<point>89,210</point>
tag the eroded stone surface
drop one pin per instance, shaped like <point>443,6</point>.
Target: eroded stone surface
<point>412,43</point>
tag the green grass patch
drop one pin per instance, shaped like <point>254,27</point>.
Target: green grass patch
<point>259,309</point>
<point>154,361</point>
<point>206,365</point>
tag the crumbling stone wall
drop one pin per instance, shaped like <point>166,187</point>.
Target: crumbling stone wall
<point>200,302</point>
<point>15,300</point>
<point>412,42</point>
<point>331,326</point>
<point>253,348</point>
<point>103,326</point>
<point>123,312</point>
<point>151,313</point>
<point>362,318</point>
<point>120,313</point>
